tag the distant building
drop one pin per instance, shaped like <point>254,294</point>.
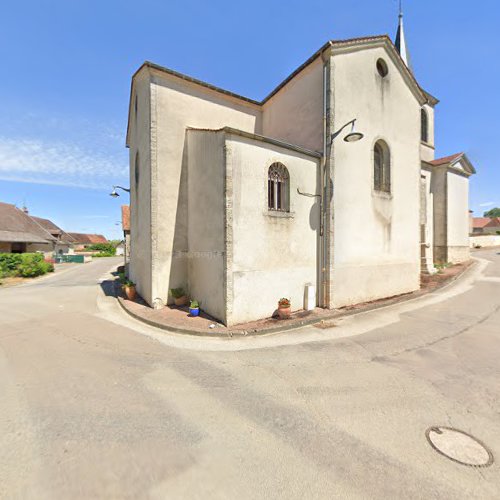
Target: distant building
<point>486,225</point>
<point>126,235</point>
<point>64,243</point>
<point>83,240</point>
<point>21,233</point>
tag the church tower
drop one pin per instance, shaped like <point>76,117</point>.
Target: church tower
<point>400,42</point>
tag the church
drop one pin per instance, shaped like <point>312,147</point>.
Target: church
<point>329,184</point>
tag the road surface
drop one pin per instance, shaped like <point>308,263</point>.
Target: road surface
<point>95,405</point>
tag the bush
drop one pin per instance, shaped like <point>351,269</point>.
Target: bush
<point>103,248</point>
<point>26,265</point>
<point>103,254</point>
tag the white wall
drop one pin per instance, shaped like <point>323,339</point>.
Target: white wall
<point>458,217</point>
<point>272,256</point>
<point>206,234</point>
<point>177,105</point>
<point>295,113</point>
<point>140,189</point>
<point>376,237</point>
<point>489,240</point>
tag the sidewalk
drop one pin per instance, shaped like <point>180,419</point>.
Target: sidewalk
<point>177,319</point>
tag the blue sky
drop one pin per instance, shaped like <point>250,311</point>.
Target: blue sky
<point>66,68</point>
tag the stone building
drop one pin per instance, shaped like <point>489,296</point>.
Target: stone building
<point>242,202</point>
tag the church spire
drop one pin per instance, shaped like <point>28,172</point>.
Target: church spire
<point>401,40</point>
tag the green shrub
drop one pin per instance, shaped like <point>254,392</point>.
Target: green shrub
<point>9,262</point>
<point>103,248</point>
<point>177,293</point>
<point>26,265</point>
<point>103,254</point>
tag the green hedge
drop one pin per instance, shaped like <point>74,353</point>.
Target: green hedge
<point>106,248</point>
<point>25,265</point>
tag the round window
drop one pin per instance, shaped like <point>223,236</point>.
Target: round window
<point>382,68</point>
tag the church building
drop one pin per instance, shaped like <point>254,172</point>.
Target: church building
<point>328,184</point>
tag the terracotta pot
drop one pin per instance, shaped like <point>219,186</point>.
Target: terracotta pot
<point>181,301</point>
<point>130,292</point>
<point>284,312</point>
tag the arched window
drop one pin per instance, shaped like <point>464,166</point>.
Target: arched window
<point>382,167</point>
<point>278,188</point>
<point>424,122</point>
<point>136,170</point>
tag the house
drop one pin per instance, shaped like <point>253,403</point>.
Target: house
<point>243,202</point>
<point>126,235</point>
<point>63,241</point>
<point>83,240</point>
<point>21,233</point>
<point>486,225</point>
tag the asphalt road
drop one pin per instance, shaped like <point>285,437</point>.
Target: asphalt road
<point>95,405</point>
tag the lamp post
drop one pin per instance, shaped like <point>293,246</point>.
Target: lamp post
<point>326,195</point>
<point>352,136</point>
<point>114,194</point>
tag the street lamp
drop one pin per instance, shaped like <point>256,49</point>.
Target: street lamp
<point>114,194</point>
<point>352,136</point>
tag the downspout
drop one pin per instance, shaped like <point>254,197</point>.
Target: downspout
<point>323,202</point>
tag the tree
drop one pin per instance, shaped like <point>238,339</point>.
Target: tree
<point>494,212</point>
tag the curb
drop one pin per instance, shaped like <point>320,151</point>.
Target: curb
<point>300,324</point>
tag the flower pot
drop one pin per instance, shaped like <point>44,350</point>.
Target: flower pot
<point>284,312</point>
<point>181,301</point>
<point>194,312</point>
<point>130,292</point>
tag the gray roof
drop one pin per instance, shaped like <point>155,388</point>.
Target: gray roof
<point>400,43</point>
<point>18,227</point>
<point>54,230</point>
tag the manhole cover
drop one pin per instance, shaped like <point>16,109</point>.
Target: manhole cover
<point>459,446</point>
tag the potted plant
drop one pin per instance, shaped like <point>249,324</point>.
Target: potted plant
<point>179,295</point>
<point>284,308</point>
<point>194,308</point>
<point>129,289</point>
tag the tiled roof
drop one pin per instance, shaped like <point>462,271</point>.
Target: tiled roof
<point>54,230</point>
<point>88,239</point>
<point>17,226</point>
<point>125,218</point>
<point>494,222</point>
<point>445,160</point>
<point>480,222</point>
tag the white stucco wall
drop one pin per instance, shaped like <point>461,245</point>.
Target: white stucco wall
<point>206,234</point>
<point>489,240</point>
<point>295,113</point>
<point>140,188</point>
<point>272,256</point>
<point>177,105</point>
<point>458,217</point>
<point>376,237</point>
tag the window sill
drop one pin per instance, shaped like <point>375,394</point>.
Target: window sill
<point>382,194</point>
<point>279,215</point>
<point>428,144</point>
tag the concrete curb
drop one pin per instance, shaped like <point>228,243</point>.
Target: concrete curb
<point>299,324</point>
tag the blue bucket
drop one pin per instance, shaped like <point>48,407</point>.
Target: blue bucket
<point>194,312</point>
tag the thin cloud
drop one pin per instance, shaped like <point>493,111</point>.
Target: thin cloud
<point>60,164</point>
<point>487,204</point>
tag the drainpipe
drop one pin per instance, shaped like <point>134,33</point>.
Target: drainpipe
<point>323,201</point>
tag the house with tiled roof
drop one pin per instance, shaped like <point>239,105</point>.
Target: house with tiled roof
<point>20,233</point>
<point>328,187</point>
<point>126,235</point>
<point>486,225</point>
<point>83,240</point>
<point>64,242</point>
